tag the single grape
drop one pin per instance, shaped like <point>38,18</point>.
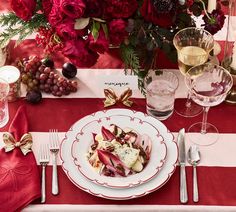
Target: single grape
<point>34,96</point>
<point>41,68</point>
<point>51,75</point>
<point>47,70</point>
<point>69,70</point>
<point>43,77</point>
<point>49,81</point>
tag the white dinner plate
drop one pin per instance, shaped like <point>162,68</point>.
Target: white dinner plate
<point>83,183</point>
<point>84,139</point>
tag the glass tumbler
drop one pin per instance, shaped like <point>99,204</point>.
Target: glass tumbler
<point>160,93</point>
<point>4,114</point>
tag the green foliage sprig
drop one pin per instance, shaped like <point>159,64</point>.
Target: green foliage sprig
<point>132,65</point>
<point>18,27</point>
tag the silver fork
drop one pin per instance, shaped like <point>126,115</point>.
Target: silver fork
<point>43,160</point>
<point>54,148</point>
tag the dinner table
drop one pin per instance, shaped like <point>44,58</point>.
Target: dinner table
<point>216,170</point>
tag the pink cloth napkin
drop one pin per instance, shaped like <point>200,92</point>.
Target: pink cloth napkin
<point>19,173</point>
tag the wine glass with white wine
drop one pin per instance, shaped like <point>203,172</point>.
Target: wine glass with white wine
<point>193,47</point>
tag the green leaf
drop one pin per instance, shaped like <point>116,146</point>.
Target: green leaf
<point>105,30</point>
<point>95,29</point>
<point>81,23</point>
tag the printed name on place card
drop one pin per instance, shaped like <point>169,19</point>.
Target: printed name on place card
<point>118,83</point>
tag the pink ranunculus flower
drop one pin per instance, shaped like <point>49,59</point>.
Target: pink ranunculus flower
<point>78,53</point>
<point>101,44</point>
<point>117,31</point>
<point>73,8</point>
<point>24,9</point>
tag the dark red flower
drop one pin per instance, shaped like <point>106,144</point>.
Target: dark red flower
<point>117,31</point>
<point>79,54</point>
<point>120,8</point>
<point>73,8</point>
<point>47,6</point>
<point>24,9</point>
<point>55,16</point>
<point>150,14</point>
<point>101,44</point>
<point>65,29</point>
<point>190,3</point>
<point>216,21</point>
<point>94,8</point>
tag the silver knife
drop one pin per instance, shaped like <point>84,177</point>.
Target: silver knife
<point>183,183</point>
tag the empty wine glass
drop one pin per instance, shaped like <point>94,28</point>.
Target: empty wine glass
<point>193,47</point>
<point>209,85</point>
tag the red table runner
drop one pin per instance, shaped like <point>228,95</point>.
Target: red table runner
<point>62,113</point>
<point>217,185</point>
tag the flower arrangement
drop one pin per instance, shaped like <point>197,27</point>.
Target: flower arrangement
<point>84,29</point>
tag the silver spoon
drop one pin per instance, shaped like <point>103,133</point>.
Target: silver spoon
<point>193,157</point>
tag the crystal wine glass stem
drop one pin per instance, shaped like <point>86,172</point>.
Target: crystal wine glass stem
<point>204,119</point>
<point>188,101</point>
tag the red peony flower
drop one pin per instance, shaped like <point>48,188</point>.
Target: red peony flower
<point>150,14</point>
<point>55,16</point>
<point>73,8</point>
<point>216,21</point>
<point>101,44</point>
<point>94,8</point>
<point>120,8</point>
<point>66,30</point>
<point>117,31</point>
<point>79,54</point>
<point>24,9</point>
<point>47,6</point>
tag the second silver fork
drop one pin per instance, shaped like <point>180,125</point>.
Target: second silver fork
<point>54,148</point>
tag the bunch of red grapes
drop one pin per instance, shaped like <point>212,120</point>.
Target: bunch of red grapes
<point>40,75</point>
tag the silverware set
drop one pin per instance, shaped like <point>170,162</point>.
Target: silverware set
<point>44,158</point>
<point>193,157</point>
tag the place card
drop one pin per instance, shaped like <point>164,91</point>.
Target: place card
<point>118,83</point>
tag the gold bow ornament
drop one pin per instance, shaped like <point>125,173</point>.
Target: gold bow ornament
<point>24,144</point>
<point>112,98</point>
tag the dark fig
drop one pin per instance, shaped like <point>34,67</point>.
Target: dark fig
<point>48,62</point>
<point>69,70</point>
<point>34,97</point>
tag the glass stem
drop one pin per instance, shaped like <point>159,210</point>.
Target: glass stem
<point>188,101</point>
<point>204,120</point>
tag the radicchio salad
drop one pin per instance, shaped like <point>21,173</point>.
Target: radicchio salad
<point>119,152</point>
